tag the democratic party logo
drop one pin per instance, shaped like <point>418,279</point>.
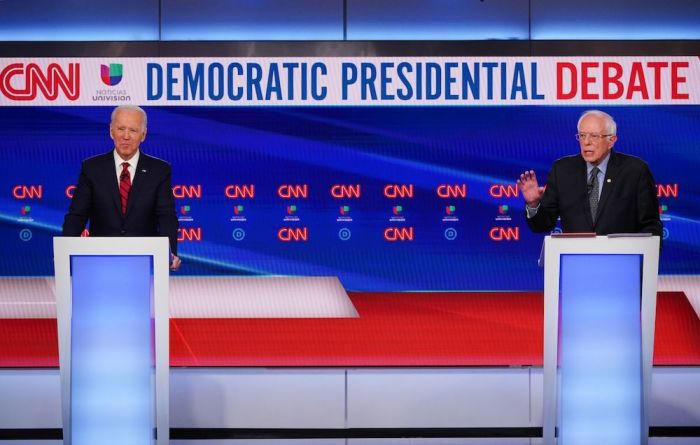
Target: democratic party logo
<point>25,235</point>
<point>344,234</point>
<point>111,75</point>
<point>238,234</point>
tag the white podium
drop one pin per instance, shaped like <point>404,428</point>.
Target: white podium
<point>597,348</point>
<point>113,339</point>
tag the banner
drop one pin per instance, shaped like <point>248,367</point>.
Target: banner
<point>337,81</point>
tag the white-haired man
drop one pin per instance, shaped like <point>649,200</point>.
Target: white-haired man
<point>125,192</point>
<point>598,190</point>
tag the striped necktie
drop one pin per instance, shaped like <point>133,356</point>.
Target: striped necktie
<point>124,186</point>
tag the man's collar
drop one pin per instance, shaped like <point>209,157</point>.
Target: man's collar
<point>603,166</point>
<point>133,161</point>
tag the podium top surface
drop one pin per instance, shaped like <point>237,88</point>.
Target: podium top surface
<point>66,245</point>
<point>610,244</point>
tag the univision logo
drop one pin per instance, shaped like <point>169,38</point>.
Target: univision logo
<point>111,75</point>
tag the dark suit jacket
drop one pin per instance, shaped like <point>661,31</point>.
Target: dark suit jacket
<point>628,203</point>
<point>150,208</point>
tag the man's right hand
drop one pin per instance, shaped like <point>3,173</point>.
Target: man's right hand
<point>531,191</point>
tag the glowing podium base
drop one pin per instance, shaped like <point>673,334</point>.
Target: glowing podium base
<point>112,310</point>
<point>597,348</point>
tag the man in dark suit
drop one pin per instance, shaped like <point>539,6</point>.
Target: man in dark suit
<point>125,192</point>
<point>599,190</point>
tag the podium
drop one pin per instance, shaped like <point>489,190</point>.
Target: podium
<point>600,310</point>
<point>113,329</point>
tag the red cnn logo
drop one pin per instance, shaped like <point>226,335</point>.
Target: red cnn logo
<point>667,190</point>
<point>287,191</point>
<point>187,191</point>
<point>504,191</point>
<point>349,191</point>
<point>28,191</point>
<point>289,234</point>
<point>69,191</point>
<point>393,234</point>
<point>235,191</point>
<point>34,79</point>
<point>398,191</point>
<point>189,234</point>
<point>452,191</point>
<point>504,233</point>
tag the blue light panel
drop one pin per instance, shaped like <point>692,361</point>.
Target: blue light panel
<point>252,20</point>
<point>437,20</point>
<point>600,363</point>
<point>112,396</point>
<point>78,20</point>
<point>618,20</point>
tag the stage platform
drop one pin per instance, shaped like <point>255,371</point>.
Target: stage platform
<point>405,363</point>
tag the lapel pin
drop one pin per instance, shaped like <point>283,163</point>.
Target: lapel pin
<point>143,170</point>
<point>609,181</point>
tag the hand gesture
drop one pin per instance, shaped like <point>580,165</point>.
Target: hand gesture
<point>531,191</point>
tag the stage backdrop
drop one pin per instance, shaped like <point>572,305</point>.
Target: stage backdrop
<point>390,173</point>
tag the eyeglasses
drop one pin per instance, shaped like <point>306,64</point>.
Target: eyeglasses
<point>593,136</point>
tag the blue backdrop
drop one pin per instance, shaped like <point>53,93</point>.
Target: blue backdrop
<point>482,243</point>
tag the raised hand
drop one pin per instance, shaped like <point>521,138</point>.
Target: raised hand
<point>531,191</point>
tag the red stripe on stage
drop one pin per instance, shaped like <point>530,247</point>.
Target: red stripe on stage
<point>394,329</point>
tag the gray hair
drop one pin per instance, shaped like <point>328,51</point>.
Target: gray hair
<point>129,108</point>
<point>610,124</point>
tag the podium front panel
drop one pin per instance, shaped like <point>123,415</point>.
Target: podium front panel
<point>112,350</point>
<point>600,358</point>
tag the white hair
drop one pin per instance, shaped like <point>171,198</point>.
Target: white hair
<point>129,108</point>
<point>610,124</point>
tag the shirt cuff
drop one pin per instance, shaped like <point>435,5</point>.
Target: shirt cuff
<point>531,211</point>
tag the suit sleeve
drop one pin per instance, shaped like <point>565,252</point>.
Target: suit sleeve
<point>648,219</point>
<point>165,211</point>
<point>79,210</point>
<point>548,212</point>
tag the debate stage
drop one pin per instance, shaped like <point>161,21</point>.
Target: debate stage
<point>456,362</point>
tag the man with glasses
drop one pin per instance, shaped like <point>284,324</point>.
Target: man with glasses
<point>599,190</point>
